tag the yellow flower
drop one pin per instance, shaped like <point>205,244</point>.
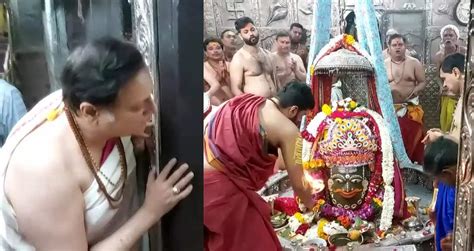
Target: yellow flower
<point>327,109</point>
<point>349,39</point>
<point>306,165</point>
<point>52,115</point>
<point>311,70</point>
<point>299,217</point>
<point>319,162</point>
<point>321,224</point>
<point>318,205</point>
<point>313,164</point>
<point>378,202</point>
<point>352,104</point>
<point>338,120</point>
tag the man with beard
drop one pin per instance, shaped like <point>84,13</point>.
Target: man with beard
<point>228,38</point>
<point>252,69</point>
<point>450,39</point>
<point>289,66</point>
<point>241,141</point>
<point>216,74</point>
<point>407,79</point>
<point>298,46</point>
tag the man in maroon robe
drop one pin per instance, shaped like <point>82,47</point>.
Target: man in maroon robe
<point>241,142</point>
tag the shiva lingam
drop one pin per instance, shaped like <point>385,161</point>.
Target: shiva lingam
<point>348,162</point>
<point>414,222</point>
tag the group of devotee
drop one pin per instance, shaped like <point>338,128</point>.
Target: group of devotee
<point>229,71</point>
<point>269,92</point>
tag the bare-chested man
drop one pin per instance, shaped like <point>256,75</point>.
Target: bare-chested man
<point>407,79</point>
<point>298,45</point>
<point>405,73</point>
<point>216,74</point>
<point>450,39</point>
<point>247,132</point>
<point>228,38</point>
<point>252,69</point>
<point>289,66</point>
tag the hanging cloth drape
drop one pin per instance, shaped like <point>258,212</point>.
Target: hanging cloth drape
<point>320,31</point>
<point>368,35</point>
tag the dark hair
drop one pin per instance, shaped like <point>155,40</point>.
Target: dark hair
<point>212,40</point>
<point>96,71</point>
<point>223,32</point>
<point>282,34</point>
<point>439,155</point>
<point>242,22</point>
<point>455,60</point>
<point>394,36</point>
<point>296,93</point>
<point>297,25</point>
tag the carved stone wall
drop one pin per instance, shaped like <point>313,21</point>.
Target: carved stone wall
<point>270,16</point>
<point>464,222</point>
<point>274,15</point>
<point>144,36</point>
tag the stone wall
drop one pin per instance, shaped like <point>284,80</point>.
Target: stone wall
<point>271,16</point>
<point>419,20</point>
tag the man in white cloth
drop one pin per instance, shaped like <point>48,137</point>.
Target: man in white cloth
<point>68,169</point>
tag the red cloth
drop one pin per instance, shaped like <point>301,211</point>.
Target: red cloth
<point>400,211</point>
<point>235,216</point>
<point>412,134</point>
<point>109,146</point>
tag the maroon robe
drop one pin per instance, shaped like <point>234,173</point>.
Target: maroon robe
<point>235,216</point>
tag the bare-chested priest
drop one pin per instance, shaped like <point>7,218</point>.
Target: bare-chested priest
<point>252,69</point>
<point>407,79</point>
<point>289,66</point>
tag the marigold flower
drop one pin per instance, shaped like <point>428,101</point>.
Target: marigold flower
<point>327,109</point>
<point>352,104</point>
<point>349,39</point>
<point>299,217</point>
<point>52,115</point>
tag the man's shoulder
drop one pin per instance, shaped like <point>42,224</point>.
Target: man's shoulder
<point>32,153</point>
<point>276,119</point>
<point>239,55</point>
<point>294,55</point>
<point>438,55</point>
<point>413,60</point>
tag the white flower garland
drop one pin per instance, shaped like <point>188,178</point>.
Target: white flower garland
<point>312,129</point>
<point>327,47</point>
<point>361,50</point>
<point>387,172</point>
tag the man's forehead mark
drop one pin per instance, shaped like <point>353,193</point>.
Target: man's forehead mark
<point>214,43</point>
